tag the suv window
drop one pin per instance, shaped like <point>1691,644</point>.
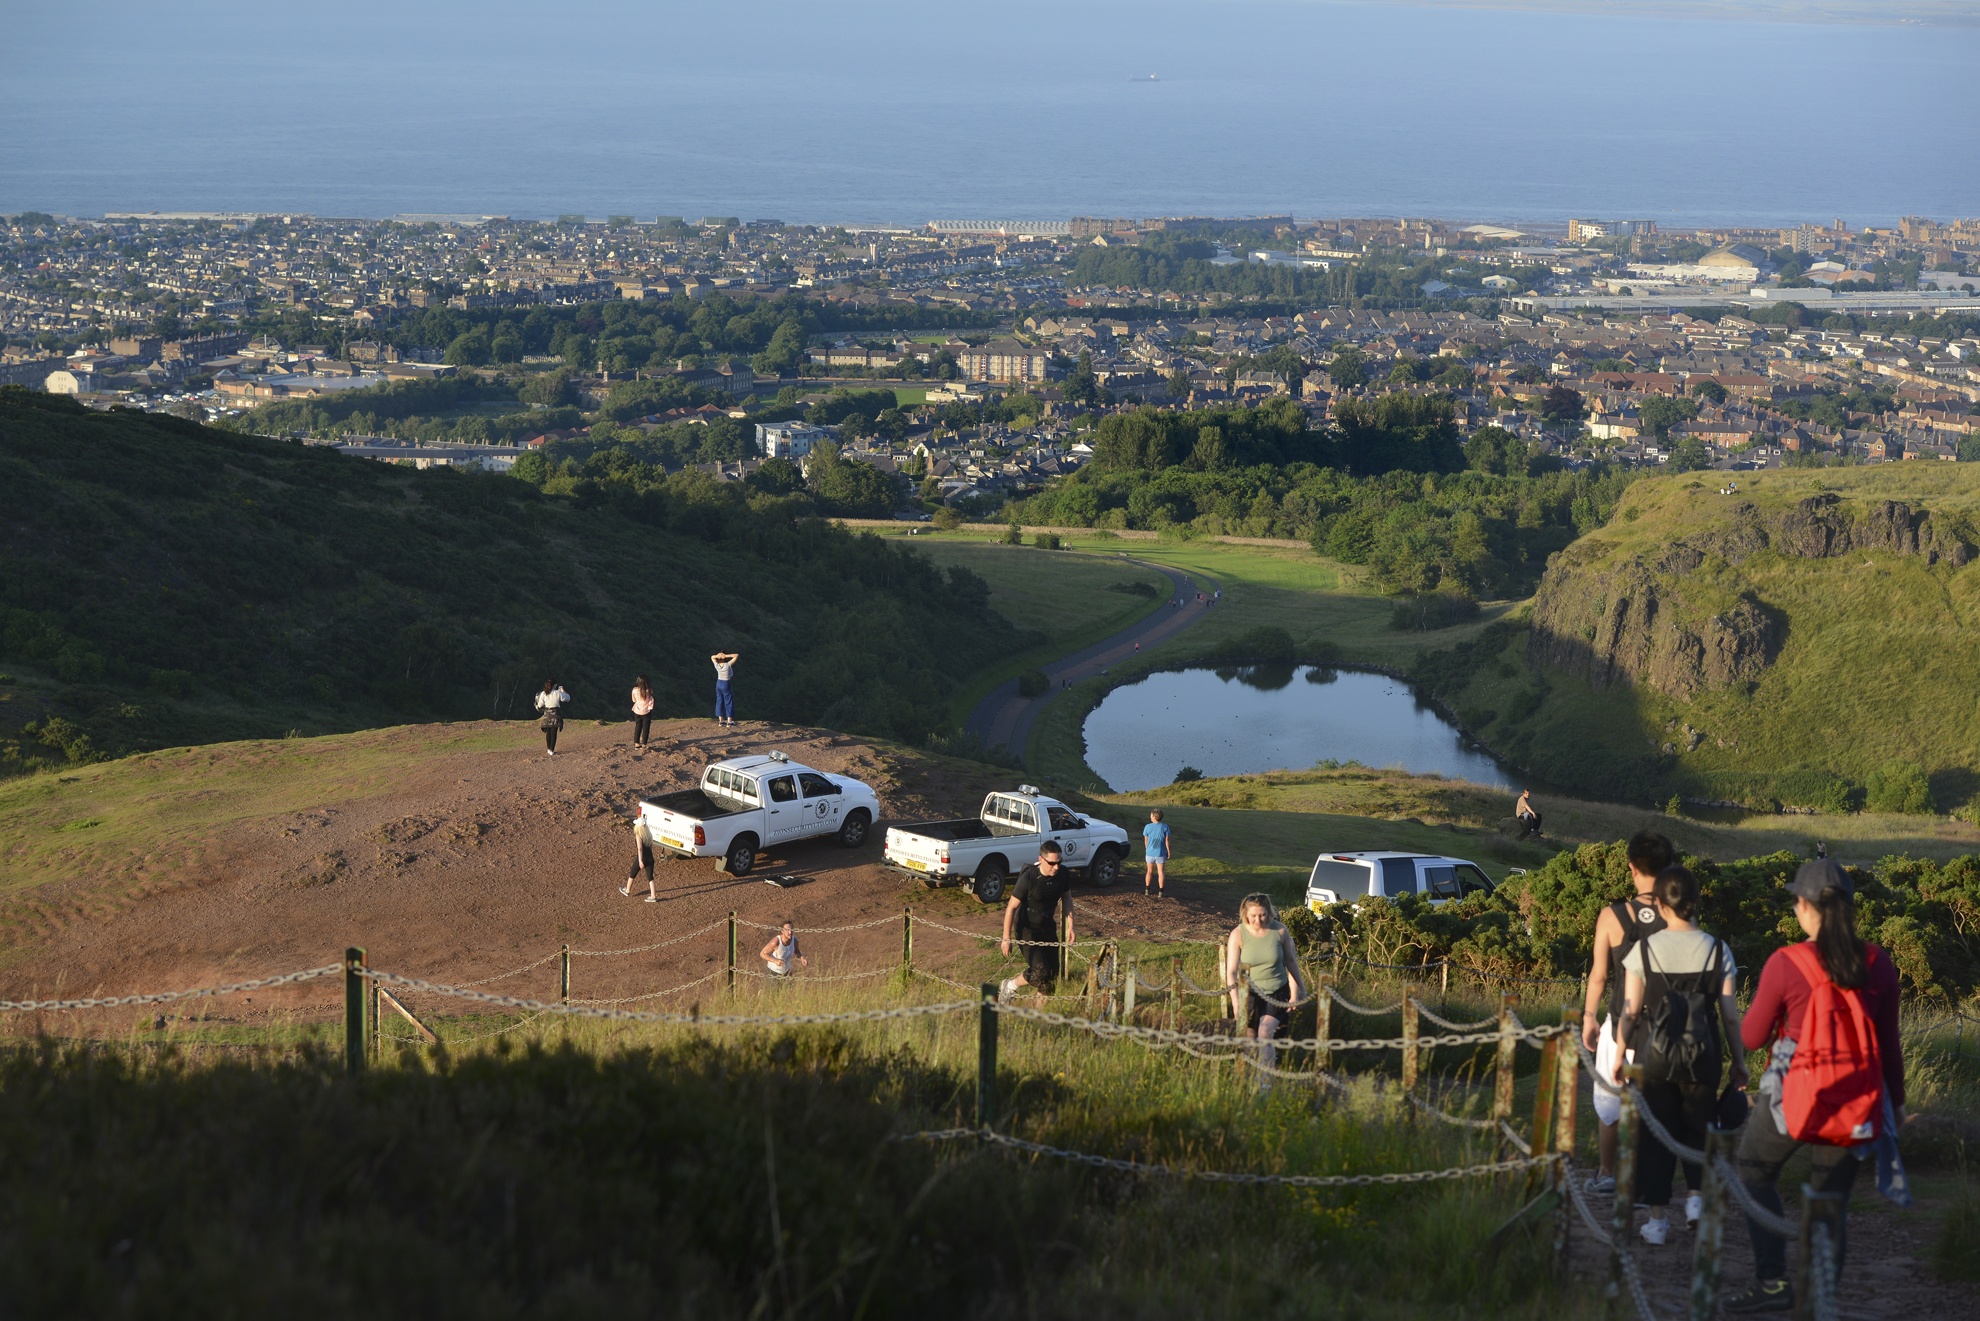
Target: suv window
<point>1471,880</point>
<point>1398,876</point>
<point>1348,880</point>
<point>783,789</point>
<point>817,786</point>
<point>1440,880</point>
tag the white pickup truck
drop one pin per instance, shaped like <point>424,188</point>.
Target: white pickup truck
<point>747,804</point>
<point>985,850</point>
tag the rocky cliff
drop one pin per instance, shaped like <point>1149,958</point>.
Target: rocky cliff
<point>1645,619</point>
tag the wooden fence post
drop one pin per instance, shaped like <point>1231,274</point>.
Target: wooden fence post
<point>1409,1043</point>
<point>564,977</point>
<point>1323,1017</point>
<point>1544,1111</point>
<point>1444,981</point>
<point>986,1058</point>
<point>1175,992</point>
<point>1705,1255</point>
<point>1128,987</point>
<point>732,950</point>
<point>1502,1095</point>
<point>1622,1213</point>
<point>907,942</point>
<point>355,985</point>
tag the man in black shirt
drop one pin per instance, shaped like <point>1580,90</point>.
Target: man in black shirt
<point>1041,888</point>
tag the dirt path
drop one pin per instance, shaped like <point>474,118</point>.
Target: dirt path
<point>1004,719</point>
<point>477,862</point>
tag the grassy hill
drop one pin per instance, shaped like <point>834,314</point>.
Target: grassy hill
<point>1808,639</point>
<point>163,583</point>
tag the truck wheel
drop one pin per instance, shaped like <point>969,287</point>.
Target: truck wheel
<point>1104,870</point>
<point>741,856</point>
<point>852,831</point>
<point>989,883</point>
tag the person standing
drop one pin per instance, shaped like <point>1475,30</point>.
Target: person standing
<point>1262,948</point>
<point>1041,890</point>
<point>1834,973</point>
<point>1617,930</point>
<point>725,696</point>
<point>1155,845</point>
<point>642,862</point>
<point>642,711</point>
<point>1680,1092</point>
<point>550,713</point>
<point>781,955</point>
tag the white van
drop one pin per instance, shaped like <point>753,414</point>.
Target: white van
<point>1346,878</point>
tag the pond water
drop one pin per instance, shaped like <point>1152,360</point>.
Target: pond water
<point>1240,719</point>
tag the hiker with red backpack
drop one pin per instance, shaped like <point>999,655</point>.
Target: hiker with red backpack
<point>1835,1084</point>
<point>1680,989</point>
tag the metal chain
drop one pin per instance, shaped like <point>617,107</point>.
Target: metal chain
<point>826,931</point>
<point>1588,1217</point>
<point>1456,1121</point>
<point>641,949</point>
<point>686,1020</point>
<point>995,936</point>
<point>501,976</point>
<point>1479,973</point>
<point>1822,1275</point>
<point>1689,1155</point>
<point>1168,1036</point>
<point>809,977</point>
<point>1363,1010</point>
<point>1223,1176</point>
<point>654,995</point>
<point>163,997</point>
<point>1772,1221</point>
<point>1511,1135</point>
<point>1424,1011</point>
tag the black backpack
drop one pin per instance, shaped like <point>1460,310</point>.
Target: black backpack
<point>1680,1039</point>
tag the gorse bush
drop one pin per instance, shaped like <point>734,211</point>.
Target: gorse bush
<point>1925,913</point>
<point>1898,786</point>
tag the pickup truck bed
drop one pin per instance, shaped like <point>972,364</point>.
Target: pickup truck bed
<point>963,828</point>
<point>691,803</point>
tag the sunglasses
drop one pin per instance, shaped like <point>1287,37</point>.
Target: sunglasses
<point>1048,862</point>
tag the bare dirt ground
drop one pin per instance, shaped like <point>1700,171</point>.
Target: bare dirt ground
<point>476,862</point>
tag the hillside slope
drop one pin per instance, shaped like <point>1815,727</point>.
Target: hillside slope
<point>164,583</point>
<point>1780,644</point>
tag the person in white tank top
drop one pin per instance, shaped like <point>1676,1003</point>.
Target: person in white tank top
<point>781,954</point>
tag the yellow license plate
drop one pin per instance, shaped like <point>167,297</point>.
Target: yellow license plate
<point>673,843</point>
<point>910,862</point>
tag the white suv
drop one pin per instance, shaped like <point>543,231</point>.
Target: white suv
<point>1346,878</point>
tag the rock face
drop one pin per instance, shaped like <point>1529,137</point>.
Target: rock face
<point>1626,622</point>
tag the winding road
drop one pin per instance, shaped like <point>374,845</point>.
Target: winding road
<point>1004,718</point>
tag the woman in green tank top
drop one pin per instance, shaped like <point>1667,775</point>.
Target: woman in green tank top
<point>1262,950</point>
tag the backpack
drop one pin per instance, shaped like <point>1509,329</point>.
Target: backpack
<point>1834,1089</point>
<point>1681,1036</point>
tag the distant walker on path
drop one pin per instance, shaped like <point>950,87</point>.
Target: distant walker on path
<point>1155,842</point>
<point>642,711</point>
<point>550,713</point>
<point>725,695</point>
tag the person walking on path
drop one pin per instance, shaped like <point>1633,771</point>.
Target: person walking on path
<point>1527,814</point>
<point>550,713</point>
<point>1617,930</point>
<point>1262,949</point>
<point>1040,891</point>
<point>1681,1061</point>
<point>1155,844</point>
<point>725,696</point>
<point>782,955</point>
<point>1827,981</point>
<point>642,711</point>
<point>642,862</point>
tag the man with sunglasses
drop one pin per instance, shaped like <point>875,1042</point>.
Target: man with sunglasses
<point>1033,910</point>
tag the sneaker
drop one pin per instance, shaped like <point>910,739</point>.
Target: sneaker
<point>1655,1232</point>
<point>652,898</point>
<point>1006,989</point>
<point>1766,1296</point>
<point>1600,1185</point>
<point>1694,1210</point>
<point>626,889</point>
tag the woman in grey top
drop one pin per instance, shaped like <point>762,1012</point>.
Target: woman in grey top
<point>1262,949</point>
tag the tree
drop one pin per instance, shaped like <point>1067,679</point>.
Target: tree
<point>1081,386</point>
<point>784,352</point>
<point>470,349</point>
<point>1179,383</point>
<point>1711,390</point>
<point>1349,369</point>
<point>1560,404</point>
<point>552,389</point>
<point>1690,455</point>
<point>1413,433</point>
<point>1898,786</point>
<point>1660,413</point>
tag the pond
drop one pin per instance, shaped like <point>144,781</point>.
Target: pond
<point>1240,719</point>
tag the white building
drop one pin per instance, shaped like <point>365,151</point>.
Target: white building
<point>790,440</point>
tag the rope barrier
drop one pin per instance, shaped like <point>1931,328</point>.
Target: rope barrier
<point>1224,1176</point>
<point>1822,1276</point>
<point>165,997</point>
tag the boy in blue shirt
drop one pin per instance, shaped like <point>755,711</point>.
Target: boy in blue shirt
<point>1155,841</point>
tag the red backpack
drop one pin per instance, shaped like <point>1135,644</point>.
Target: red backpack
<point>1834,1090</point>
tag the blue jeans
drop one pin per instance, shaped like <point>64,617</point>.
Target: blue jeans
<point>725,700</point>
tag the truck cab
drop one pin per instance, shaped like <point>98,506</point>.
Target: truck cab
<point>986,850</point>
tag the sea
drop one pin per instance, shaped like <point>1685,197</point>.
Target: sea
<point>873,111</point>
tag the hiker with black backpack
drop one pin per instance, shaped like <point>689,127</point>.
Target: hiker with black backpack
<point>1835,1078</point>
<point>1680,984</point>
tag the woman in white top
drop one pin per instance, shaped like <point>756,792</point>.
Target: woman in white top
<point>1659,973</point>
<point>725,696</point>
<point>550,713</point>
<point>642,710</point>
<point>782,951</point>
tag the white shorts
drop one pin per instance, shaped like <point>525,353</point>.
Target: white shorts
<point>1608,1101</point>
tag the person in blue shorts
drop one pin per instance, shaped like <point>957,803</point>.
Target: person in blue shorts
<point>1155,842</point>
<point>725,696</point>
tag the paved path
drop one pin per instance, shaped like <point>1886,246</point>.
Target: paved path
<point>1004,718</point>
